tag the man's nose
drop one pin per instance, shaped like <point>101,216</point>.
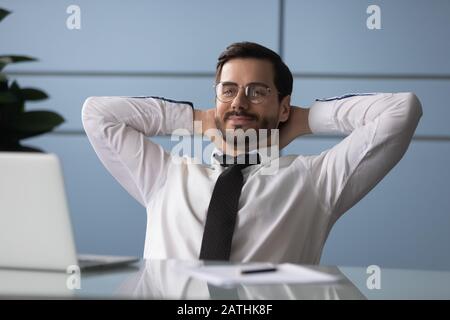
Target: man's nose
<point>240,101</point>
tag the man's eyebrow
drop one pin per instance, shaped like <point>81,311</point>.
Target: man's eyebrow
<point>258,83</point>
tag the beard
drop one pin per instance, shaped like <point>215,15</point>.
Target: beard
<point>239,134</point>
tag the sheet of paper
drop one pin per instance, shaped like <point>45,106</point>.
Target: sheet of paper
<point>230,275</point>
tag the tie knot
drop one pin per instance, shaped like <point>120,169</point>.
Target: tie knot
<point>244,159</point>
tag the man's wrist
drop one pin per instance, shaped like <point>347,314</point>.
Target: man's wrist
<point>198,118</point>
<point>205,120</point>
<point>299,122</point>
<point>303,121</point>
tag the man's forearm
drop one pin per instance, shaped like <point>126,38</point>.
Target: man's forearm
<point>297,125</point>
<point>301,116</point>
<point>206,118</point>
<point>198,116</point>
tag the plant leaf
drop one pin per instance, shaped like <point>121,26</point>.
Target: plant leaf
<point>25,135</point>
<point>3,82</point>
<point>3,13</point>
<point>7,97</point>
<point>33,94</point>
<point>4,60</point>
<point>38,122</point>
<point>15,87</point>
<point>16,58</point>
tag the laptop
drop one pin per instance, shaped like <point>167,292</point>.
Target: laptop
<point>35,225</point>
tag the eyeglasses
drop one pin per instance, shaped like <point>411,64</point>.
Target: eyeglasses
<point>255,92</point>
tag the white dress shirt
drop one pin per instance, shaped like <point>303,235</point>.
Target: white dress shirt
<point>283,217</point>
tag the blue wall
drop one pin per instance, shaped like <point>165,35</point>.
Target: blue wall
<point>169,48</point>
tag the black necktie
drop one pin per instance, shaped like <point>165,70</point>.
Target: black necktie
<point>223,208</point>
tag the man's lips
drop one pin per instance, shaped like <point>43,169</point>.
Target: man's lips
<point>240,119</point>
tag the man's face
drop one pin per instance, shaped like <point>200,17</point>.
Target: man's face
<point>240,113</point>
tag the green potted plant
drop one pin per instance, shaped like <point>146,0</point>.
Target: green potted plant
<point>16,123</point>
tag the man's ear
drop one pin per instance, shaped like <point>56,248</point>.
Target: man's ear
<point>285,109</point>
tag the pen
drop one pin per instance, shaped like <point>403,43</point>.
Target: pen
<point>258,270</point>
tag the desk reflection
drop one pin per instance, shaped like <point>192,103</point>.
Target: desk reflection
<point>162,279</point>
<point>24,284</point>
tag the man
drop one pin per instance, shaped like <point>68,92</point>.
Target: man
<point>236,212</point>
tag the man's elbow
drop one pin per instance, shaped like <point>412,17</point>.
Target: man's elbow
<point>406,113</point>
<point>94,110</point>
<point>413,107</point>
<point>91,114</point>
<point>89,107</point>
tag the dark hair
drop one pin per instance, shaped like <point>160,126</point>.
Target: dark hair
<point>283,77</point>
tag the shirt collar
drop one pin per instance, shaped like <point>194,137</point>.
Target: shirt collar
<point>266,154</point>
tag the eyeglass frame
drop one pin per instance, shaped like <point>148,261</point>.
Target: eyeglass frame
<point>245,89</point>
